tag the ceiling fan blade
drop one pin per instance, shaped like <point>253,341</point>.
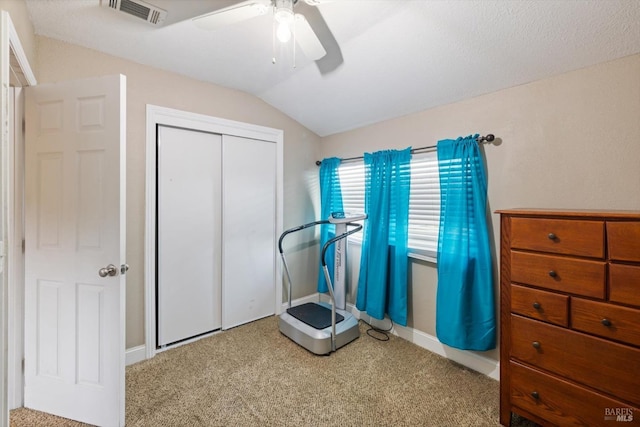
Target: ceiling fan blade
<point>236,13</point>
<point>333,59</point>
<point>307,39</point>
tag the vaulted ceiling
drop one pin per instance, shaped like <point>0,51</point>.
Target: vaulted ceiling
<point>398,57</point>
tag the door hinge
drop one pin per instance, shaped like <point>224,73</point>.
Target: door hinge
<point>23,365</point>
<point>24,245</point>
<point>24,126</point>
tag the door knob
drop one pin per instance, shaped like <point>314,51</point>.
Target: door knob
<point>109,270</point>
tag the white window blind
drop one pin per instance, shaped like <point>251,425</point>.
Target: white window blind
<point>352,186</point>
<point>424,200</point>
<point>424,204</point>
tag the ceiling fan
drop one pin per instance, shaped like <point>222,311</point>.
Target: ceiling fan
<point>296,19</point>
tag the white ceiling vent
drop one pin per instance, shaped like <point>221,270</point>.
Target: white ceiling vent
<point>138,8</point>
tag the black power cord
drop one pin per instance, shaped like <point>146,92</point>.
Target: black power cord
<point>381,334</point>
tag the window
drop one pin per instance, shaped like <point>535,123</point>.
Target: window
<point>424,204</point>
<point>424,200</point>
<point>352,186</point>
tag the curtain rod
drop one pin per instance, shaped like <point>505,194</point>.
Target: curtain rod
<point>480,140</point>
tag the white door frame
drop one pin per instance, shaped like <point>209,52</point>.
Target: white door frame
<point>16,259</point>
<point>170,117</point>
<point>15,70</point>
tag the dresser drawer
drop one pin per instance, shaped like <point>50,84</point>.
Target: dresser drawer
<point>547,306</point>
<point>564,403</point>
<point>606,320</point>
<point>575,276</point>
<point>582,238</point>
<point>624,284</point>
<point>624,240</point>
<point>603,365</point>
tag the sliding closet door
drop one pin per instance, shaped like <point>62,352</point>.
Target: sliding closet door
<point>189,235</point>
<point>249,220</point>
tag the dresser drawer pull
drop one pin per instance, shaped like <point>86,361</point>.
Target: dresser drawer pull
<point>606,322</point>
<point>535,395</point>
<point>552,236</point>
<point>536,344</point>
<point>536,305</point>
<point>552,273</point>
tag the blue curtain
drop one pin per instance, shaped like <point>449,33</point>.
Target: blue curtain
<point>330,201</point>
<point>382,284</point>
<point>465,313</point>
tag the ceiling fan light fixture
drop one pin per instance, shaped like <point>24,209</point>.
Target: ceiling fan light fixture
<point>283,33</point>
<point>284,19</point>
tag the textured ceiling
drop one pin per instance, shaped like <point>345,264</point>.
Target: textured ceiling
<point>399,56</point>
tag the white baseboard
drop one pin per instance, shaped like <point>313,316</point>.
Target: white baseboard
<point>139,353</point>
<point>471,360</point>
<point>135,354</point>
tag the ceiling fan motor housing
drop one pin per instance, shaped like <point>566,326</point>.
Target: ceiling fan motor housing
<point>284,11</point>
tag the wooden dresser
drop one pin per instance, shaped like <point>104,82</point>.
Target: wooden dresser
<point>570,317</point>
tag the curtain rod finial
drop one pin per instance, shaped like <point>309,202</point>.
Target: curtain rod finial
<point>489,138</point>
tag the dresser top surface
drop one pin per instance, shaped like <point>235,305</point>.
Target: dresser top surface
<point>576,213</point>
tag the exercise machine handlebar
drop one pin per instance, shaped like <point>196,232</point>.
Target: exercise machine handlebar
<point>336,238</point>
<point>298,228</point>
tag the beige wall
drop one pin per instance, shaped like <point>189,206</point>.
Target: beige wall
<point>565,142</point>
<point>571,141</point>
<point>20,17</point>
<point>58,61</point>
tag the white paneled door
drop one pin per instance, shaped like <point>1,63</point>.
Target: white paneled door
<point>189,230</point>
<point>75,249</point>
<point>249,233</point>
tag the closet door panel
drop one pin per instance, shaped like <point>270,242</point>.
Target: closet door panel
<point>249,223</point>
<point>189,235</point>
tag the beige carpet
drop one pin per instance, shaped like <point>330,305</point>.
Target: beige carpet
<point>254,376</point>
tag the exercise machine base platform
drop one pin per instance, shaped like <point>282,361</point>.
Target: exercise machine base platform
<point>315,315</point>
<point>318,341</point>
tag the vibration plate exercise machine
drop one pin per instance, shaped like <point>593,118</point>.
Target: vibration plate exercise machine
<point>320,327</point>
